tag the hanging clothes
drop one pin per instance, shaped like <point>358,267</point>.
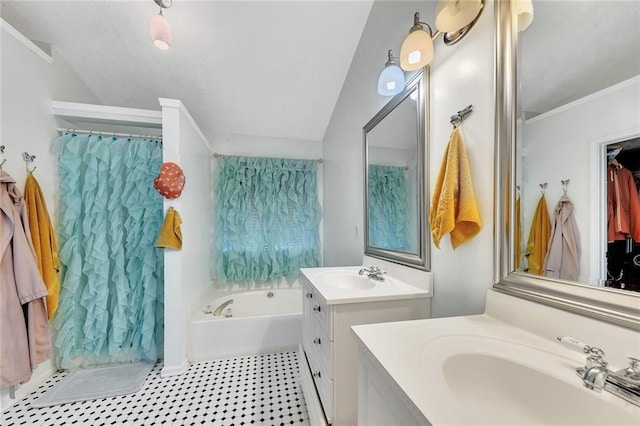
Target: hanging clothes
<point>453,207</point>
<point>44,241</point>
<point>538,238</point>
<point>24,328</point>
<point>563,256</point>
<point>518,236</point>
<point>623,205</point>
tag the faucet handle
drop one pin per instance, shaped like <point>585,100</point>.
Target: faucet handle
<point>595,355</point>
<point>633,370</point>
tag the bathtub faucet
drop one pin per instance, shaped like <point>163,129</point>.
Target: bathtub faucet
<point>373,272</point>
<point>220,308</point>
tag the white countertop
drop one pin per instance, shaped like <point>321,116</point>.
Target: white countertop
<point>404,351</point>
<point>389,289</point>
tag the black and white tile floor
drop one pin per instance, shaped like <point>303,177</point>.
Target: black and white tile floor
<point>252,390</point>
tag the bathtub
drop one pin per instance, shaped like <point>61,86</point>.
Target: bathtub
<point>255,322</point>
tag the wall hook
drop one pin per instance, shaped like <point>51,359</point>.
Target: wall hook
<point>28,159</point>
<point>565,183</point>
<point>459,117</point>
<point>2,159</point>
<point>543,187</point>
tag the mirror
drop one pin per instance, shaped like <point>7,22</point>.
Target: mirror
<point>574,97</point>
<point>395,188</point>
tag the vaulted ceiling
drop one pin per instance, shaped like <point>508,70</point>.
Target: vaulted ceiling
<point>264,68</point>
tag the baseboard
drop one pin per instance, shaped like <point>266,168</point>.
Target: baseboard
<point>174,370</point>
<point>40,375</point>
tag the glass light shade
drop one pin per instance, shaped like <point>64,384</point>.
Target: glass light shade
<point>453,15</point>
<point>391,80</point>
<point>416,50</point>
<point>160,32</point>
<point>524,12</point>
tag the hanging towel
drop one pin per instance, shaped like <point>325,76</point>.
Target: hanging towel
<point>25,338</point>
<point>170,234</point>
<point>453,206</point>
<point>44,241</point>
<point>563,257</point>
<point>518,236</point>
<point>538,238</point>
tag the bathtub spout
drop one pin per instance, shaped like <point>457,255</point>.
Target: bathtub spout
<point>220,308</point>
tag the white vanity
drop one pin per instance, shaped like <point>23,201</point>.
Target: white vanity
<point>334,300</point>
<point>502,367</point>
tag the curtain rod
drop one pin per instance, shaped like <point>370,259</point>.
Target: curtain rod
<point>218,155</point>
<point>100,133</point>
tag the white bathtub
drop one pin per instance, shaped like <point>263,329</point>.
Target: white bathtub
<point>259,324</point>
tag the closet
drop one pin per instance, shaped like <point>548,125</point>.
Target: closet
<point>623,215</point>
<point>186,272</point>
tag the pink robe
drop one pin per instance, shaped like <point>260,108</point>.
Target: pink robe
<point>25,339</point>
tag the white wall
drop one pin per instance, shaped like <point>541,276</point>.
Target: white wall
<point>558,145</point>
<point>29,85</point>
<point>462,74</point>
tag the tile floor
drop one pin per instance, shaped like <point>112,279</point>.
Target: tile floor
<point>251,390</point>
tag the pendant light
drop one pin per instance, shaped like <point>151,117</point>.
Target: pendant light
<point>160,30</point>
<point>417,48</point>
<point>391,80</point>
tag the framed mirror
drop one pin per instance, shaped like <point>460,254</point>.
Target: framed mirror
<point>569,104</point>
<point>395,192</point>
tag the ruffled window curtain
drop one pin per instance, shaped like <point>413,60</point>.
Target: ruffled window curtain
<point>388,207</point>
<point>267,218</point>
<point>111,300</point>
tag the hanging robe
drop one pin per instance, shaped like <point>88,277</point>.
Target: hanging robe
<point>25,338</point>
<point>563,255</point>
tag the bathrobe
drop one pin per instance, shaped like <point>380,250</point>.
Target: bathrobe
<point>563,255</point>
<point>25,339</point>
<point>623,205</point>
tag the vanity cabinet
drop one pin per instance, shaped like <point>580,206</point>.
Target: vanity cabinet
<point>328,353</point>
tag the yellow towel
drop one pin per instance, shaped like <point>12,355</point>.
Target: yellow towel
<point>44,241</point>
<point>170,235</point>
<point>453,206</point>
<point>538,238</point>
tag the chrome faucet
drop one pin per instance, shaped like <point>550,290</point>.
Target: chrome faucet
<point>596,375</point>
<point>373,272</point>
<point>220,308</point>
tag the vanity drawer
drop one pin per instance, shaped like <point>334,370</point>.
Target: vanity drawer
<point>317,342</point>
<point>321,312</point>
<point>324,385</point>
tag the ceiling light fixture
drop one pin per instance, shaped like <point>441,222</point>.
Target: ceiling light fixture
<point>160,30</point>
<point>455,18</point>
<point>417,48</point>
<point>391,80</point>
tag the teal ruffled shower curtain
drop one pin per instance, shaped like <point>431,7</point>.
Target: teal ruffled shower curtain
<point>267,218</point>
<point>388,207</point>
<point>111,299</point>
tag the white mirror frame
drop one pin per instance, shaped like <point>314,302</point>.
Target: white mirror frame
<point>610,305</point>
<point>419,260</point>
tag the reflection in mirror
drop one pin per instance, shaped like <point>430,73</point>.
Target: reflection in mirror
<point>576,97</point>
<point>394,179</point>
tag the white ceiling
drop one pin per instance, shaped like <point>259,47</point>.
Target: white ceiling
<point>262,68</point>
<point>574,48</point>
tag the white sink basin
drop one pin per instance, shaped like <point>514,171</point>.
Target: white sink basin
<point>346,280</point>
<point>501,382</point>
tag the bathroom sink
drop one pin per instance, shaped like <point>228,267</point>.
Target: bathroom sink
<point>346,280</point>
<point>501,382</point>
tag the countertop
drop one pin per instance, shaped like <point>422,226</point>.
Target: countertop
<point>389,289</point>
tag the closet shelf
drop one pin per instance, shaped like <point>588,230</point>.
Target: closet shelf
<point>73,112</point>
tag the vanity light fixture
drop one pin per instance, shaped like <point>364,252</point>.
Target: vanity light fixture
<point>524,14</point>
<point>391,80</point>
<point>455,18</point>
<point>160,30</point>
<point>417,48</point>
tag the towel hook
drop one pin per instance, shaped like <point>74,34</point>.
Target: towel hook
<point>4,160</point>
<point>543,187</point>
<point>565,183</point>
<point>28,159</point>
<point>459,117</point>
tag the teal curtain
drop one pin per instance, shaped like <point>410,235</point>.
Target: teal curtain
<point>111,298</point>
<point>388,207</point>
<point>267,218</point>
